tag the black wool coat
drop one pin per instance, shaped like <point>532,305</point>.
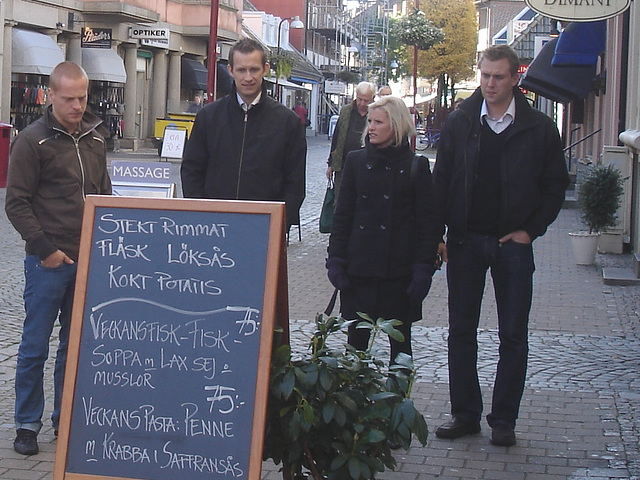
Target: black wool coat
<point>385,222</point>
<point>533,173</point>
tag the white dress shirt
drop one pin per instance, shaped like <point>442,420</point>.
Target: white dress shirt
<point>498,125</point>
<point>246,107</point>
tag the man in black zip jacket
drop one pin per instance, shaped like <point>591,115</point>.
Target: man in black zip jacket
<point>246,145</point>
<point>499,182</point>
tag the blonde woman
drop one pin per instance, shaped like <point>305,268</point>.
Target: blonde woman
<point>384,236</point>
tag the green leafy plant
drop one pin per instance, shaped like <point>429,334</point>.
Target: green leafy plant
<point>417,30</point>
<point>348,76</point>
<point>282,63</point>
<point>336,413</point>
<point>599,194</point>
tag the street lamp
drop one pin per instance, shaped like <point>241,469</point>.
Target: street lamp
<point>213,51</point>
<point>394,68</point>
<point>297,24</point>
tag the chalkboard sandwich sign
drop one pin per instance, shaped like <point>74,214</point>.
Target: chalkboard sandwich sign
<point>168,362</point>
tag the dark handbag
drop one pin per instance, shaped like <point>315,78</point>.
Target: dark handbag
<point>326,214</point>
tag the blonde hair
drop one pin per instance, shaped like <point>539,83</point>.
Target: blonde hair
<point>399,117</point>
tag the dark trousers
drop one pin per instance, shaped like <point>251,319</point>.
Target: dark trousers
<point>512,268</point>
<point>380,298</point>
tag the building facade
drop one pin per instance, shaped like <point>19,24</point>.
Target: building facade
<point>143,58</point>
<point>585,74</point>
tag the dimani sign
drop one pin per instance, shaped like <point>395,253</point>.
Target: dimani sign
<point>579,10</point>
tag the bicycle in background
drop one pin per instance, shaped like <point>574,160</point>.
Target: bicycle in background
<point>427,138</point>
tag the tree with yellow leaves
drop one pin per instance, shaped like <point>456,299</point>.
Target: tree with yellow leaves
<point>451,60</point>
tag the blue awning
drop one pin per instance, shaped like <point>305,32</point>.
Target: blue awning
<point>580,44</point>
<point>560,84</point>
<point>303,80</point>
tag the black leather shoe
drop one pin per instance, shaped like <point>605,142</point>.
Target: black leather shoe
<point>394,445</point>
<point>26,442</point>
<point>503,436</point>
<point>457,428</point>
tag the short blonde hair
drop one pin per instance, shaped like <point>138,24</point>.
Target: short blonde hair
<point>67,70</point>
<point>399,117</point>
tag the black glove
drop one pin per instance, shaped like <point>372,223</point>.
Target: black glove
<point>420,282</point>
<point>336,271</point>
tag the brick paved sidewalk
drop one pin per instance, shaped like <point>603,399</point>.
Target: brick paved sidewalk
<point>579,419</point>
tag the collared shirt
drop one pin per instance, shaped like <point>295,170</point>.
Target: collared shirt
<point>246,107</point>
<point>498,125</point>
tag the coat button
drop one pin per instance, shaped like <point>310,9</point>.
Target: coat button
<point>386,196</point>
<point>361,227</point>
<point>383,227</point>
<point>365,195</point>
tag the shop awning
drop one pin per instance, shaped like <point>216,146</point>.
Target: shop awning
<point>408,100</point>
<point>580,44</point>
<point>194,74</point>
<point>287,84</point>
<point>103,64</point>
<point>560,84</point>
<point>224,80</point>
<point>34,53</point>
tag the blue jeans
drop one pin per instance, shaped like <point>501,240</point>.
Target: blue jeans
<point>512,268</point>
<point>48,295</point>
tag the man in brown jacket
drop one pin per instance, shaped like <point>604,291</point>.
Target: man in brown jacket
<point>55,162</point>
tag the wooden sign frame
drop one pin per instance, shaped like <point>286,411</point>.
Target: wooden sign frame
<point>275,304</point>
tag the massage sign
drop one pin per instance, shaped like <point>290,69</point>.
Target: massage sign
<point>168,364</point>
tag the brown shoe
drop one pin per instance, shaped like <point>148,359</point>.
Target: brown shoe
<point>503,436</point>
<point>457,428</point>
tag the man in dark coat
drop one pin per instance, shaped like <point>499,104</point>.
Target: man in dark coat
<point>499,179</point>
<point>348,132</point>
<point>247,146</point>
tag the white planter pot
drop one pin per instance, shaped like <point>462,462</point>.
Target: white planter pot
<point>584,245</point>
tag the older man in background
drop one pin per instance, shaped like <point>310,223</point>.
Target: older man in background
<point>348,133</point>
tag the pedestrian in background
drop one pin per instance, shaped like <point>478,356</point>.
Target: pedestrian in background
<point>247,146</point>
<point>55,162</point>
<point>196,105</point>
<point>348,132</point>
<point>384,237</point>
<point>302,112</point>
<point>384,90</point>
<point>500,178</point>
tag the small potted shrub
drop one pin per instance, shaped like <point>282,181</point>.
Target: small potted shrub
<point>599,194</point>
<point>337,413</point>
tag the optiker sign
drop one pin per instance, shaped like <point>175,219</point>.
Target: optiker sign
<point>147,33</point>
<point>579,10</point>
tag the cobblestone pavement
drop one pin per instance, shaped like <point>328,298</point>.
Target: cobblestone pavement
<point>580,415</point>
